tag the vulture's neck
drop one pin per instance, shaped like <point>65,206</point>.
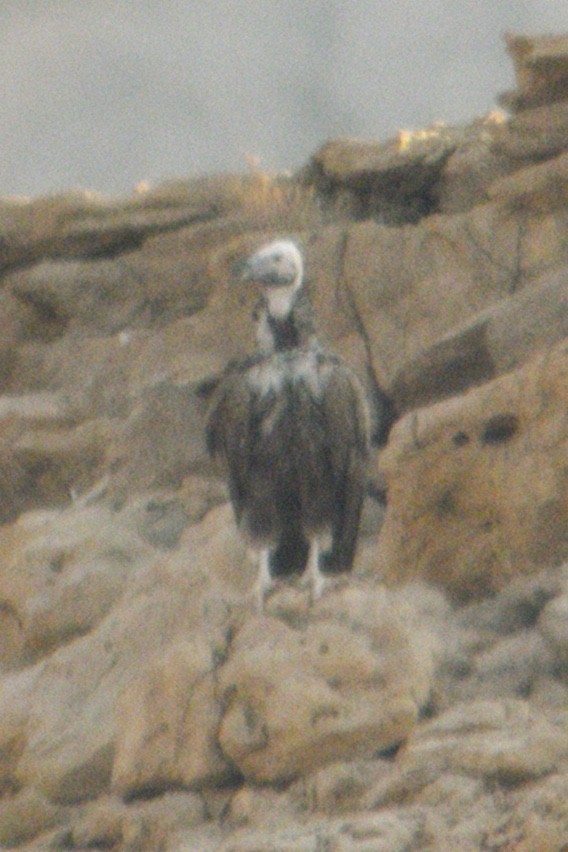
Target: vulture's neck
<point>281,330</point>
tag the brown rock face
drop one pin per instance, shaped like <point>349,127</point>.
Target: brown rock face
<point>421,702</point>
<point>477,490</point>
<point>541,68</point>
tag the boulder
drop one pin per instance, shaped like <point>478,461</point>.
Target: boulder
<point>87,224</point>
<point>350,682</point>
<point>392,181</point>
<point>541,69</point>
<point>475,483</point>
<point>167,724</point>
<point>26,815</point>
<point>61,573</point>
<point>537,818</point>
<point>139,825</point>
<point>473,166</point>
<point>534,134</point>
<point>541,189</point>
<point>494,341</point>
<point>58,716</point>
<point>505,742</point>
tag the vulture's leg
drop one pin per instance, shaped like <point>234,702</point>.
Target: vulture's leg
<point>264,580</point>
<point>313,574</point>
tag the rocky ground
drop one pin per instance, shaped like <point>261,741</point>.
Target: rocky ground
<point>422,703</point>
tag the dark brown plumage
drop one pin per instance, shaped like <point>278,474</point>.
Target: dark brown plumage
<point>290,425</point>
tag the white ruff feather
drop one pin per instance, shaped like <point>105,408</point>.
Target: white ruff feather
<point>306,368</point>
<point>269,376</point>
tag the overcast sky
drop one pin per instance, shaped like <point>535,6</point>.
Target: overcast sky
<point>102,94</point>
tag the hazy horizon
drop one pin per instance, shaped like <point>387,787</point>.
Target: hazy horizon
<point>103,95</point>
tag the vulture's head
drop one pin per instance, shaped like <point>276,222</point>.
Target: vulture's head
<point>278,268</point>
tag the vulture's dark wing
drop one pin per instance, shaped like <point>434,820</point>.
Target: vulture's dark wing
<point>346,414</point>
<point>228,431</point>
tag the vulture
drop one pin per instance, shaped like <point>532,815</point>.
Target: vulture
<point>290,425</point>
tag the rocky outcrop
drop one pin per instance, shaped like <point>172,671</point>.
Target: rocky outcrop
<point>477,490</point>
<point>352,681</point>
<point>421,702</point>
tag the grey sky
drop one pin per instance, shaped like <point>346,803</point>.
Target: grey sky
<point>102,94</point>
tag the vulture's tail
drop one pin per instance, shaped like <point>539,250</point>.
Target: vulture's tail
<point>291,554</point>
